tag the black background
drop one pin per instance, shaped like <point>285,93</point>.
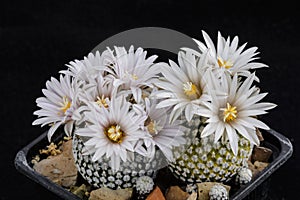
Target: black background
<point>37,38</point>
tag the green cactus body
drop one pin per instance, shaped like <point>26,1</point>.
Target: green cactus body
<point>99,174</point>
<point>202,160</point>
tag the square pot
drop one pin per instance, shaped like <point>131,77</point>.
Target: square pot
<point>256,189</point>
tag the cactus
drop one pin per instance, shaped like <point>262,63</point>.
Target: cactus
<point>203,160</point>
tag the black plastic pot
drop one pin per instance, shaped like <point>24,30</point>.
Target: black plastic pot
<point>256,189</point>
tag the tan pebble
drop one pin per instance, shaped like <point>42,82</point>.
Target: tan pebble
<point>67,148</point>
<point>61,168</point>
<point>156,194</point>
<point>261,154</point>
<point>260,165</point>
<point>253,169</point>
<point>106,193</point>
<point>193,196</point>
<point>176,193</point>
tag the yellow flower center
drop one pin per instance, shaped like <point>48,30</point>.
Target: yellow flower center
<point>229,113</point>
<point>102,101</point>
<point>134,77</point>
<point>65,105</point>
<point>115,134</point>
<point>191,90</point>
<point>224,63</point>
<point>152,128</point>
<point>130,76</point>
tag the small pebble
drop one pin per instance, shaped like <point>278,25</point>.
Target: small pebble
<point>105,193</point>
<point>261,154</point>
<point>156,194</point>
<point>176,193</point>
<point>193,196</point>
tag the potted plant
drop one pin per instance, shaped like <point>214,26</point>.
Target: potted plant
<point>130,118</point>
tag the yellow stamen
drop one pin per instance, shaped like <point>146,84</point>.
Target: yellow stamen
<point>134,77</point>
<point>191,90</point>
<point>130,76</point>
<point>224,63</point>
<point>65,105</point>
<point>102,101</point>
<point>152,128</point>
<point>115,134</point>
<point>229,113</point>
<point>51,150</point>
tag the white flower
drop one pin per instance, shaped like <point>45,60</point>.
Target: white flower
<point>184,88</point>
<point>90,67</point>
<point>131,70</point>
<point>236,112</point>
<point>98,91</point>
<point>162,134</point>
<point>228,57</point>
<point>112,132</point>
<point>58,105</point>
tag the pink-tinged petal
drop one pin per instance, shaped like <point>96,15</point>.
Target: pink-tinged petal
<point>256,65</point>
<point>251,136</point>
<point>233,87</point>
<point>137,93</point>
<point>262,106</point>
<point>209,43</point>
<point>83,132</point>
<point>166,151</point>
<point>52,130</point>
<point>201,111</point>
<point>175,114</point>
<point>203,60</point>
<point>192,51</point>
<point>234,44</point>
<point>239,51</point>
<point>245,123</point>
<point>117,83</point>
<point>208,130</point>
<point>167,103</point>
<point>189,112</point>
<point>51,96</point>
<point>115,162</point>
<point>201,46</point>
<point>246,85</point>
<point>68,128</point>
<point>213,119</point>
<point>250,113</point>
<point>127,145</point>
<point>219,131</point>
<point>48,113</point>
<point>220,45</point>
<point>123,154</point>
<point>239,101</point>
<point>233,138</point>
<point>252,100</point>
<point>224,54</point>
<point>257,123</point>
<point>44,121</point>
